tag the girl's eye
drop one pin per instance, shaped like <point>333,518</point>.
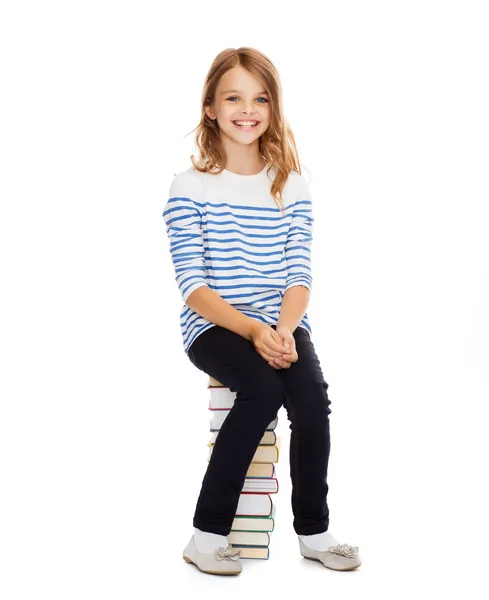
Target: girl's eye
<point>261,98</point>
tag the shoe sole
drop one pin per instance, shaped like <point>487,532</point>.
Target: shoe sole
<point>190,561</point>
<point>332,569</point>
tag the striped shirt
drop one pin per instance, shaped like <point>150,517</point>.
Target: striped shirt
<point>226,232</point>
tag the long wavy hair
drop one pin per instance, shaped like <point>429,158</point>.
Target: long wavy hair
<point>277,145</point>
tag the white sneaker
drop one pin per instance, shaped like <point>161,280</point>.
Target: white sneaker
<point>223,561</point>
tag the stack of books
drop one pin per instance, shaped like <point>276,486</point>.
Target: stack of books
<point>255,514</point>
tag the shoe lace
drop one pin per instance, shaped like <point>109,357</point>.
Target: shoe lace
<point>228,553</point>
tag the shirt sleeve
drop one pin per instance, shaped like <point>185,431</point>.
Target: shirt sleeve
<point>299,239</point>
<point>183,219</point>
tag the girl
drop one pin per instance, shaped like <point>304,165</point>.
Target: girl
<point>239,223</point>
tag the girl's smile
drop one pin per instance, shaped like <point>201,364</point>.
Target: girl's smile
<point>245,125</point>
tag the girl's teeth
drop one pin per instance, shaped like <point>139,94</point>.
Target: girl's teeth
<point>245,125</point>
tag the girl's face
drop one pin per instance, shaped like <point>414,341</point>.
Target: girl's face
<point>240,97</point>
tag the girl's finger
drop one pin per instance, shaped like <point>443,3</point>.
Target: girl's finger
<point>269,354</point>
<point>268,357</point>
<point>276,345</point>
<point>288,359</point>
<point>275,351</point>
<point>273,363</point>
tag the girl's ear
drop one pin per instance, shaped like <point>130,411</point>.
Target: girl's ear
<point>209,112</point>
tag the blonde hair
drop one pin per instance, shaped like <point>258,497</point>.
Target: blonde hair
<point>277,145</point>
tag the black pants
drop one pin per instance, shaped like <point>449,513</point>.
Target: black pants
<point>260,392</point>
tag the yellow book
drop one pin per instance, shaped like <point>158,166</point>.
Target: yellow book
<point>261,470</point>
<point>264,453</point>
<point>253,552</point>
<point>269,438</point>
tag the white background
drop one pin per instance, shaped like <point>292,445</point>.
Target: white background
<point>104,421</point>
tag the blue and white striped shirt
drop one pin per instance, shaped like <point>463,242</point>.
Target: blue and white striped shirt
<point>226,232</point>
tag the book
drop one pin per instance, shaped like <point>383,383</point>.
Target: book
<point>218,415</point>
<point>263,454</point>
<point>258,470</point>
<point>254,505</point>
<point>221,397</point>
<point>269,438</point>
<point>255,513</point>
<point>255,523</point>
<point>259,552</point>
<point>249,538</point>
<point>262,485</point>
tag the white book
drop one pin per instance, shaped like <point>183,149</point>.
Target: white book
<point>221,397</point>
<point>254,504</point>
<point>249,538</point>
<point>268,485</point>
<point>255,523</point>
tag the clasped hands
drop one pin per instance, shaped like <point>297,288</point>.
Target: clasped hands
<point>277,347</point>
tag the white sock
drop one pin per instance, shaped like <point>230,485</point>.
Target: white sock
<point>207,542</point>
<point>319,541</point>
